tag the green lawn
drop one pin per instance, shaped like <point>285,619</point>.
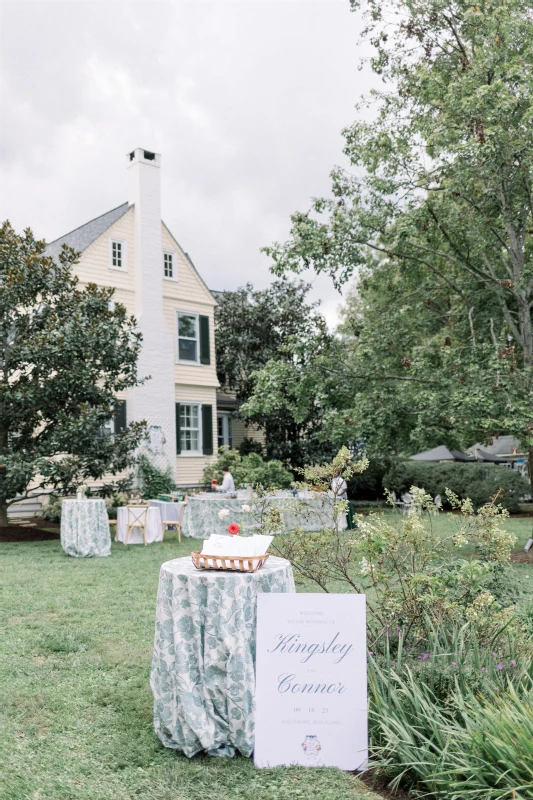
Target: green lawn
<point>77,707</point>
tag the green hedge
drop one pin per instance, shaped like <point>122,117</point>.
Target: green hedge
<point>479,481</point>
<point>369,484</point>
<point>249,469</point>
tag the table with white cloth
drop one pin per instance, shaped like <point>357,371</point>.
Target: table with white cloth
<point>154,531</point>
<point>85,528</point>
<point>312,512</point>
<point>169,511</point>
<point>203,666</point>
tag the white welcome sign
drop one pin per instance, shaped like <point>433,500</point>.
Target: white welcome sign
<point>311,683</point>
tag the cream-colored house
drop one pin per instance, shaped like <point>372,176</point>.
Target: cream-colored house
<point>131,249</point>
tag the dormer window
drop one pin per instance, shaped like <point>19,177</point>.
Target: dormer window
<point>117,254</point>
<point>168,264</point>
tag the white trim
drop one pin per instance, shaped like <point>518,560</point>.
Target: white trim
<point>229,428</point>
<point>174,255</point>
<point>124,254</point>
<point>179,360</point>
<point>193,453</point>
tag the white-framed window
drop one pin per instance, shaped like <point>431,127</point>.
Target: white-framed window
<point>225,429</point>
<point>170,265</point>
<point>117,254</point>
<point>190,431</point>
<point>188,344</point>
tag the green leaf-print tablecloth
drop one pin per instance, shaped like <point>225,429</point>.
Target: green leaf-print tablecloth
<point>203,668</point>
<point>85,528</point>
<point>200,518</point>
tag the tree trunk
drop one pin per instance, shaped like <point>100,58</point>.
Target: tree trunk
<point>530,470</point>
<point>3,515</point>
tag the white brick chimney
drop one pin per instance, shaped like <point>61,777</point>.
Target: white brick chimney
<point>155,399</point>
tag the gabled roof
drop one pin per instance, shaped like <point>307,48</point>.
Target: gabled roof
<point>189,259</point>
<point>442,453</point>
<point>501,446</point>
<point>80,238</point>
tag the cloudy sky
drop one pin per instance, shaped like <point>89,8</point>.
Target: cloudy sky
<point>245,101</point>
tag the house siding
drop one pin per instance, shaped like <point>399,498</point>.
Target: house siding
<point>190,469</point>
<point>192,383</point>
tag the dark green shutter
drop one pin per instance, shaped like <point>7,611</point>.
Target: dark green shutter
<point>205,348</point>
<point>178,429</point>
<point>120,416</point>
<point>207,429</point>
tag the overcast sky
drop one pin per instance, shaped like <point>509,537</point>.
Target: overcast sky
<point>244,100</point>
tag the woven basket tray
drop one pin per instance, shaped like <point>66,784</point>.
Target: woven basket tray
<point>229,563</point>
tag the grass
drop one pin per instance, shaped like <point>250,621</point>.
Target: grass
<point>75,658</point>
<point>77,708</point>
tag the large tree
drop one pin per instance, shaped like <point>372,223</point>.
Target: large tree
<point>65,352</point>
<point>435,220</point>
<point>278,324</point>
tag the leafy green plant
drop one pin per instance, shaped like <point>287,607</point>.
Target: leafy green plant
<point>52,511</point>
<point>477,745</point>
<point>249,445</point>
<point>479,482</point>
<point>409,572</point>
<point>152,480</point>
<point>368,485</point>
<point>250,468</point>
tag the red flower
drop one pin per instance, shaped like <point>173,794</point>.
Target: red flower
<point>233,529</point>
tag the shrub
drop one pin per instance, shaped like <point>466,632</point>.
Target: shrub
<point>250,446</point>
<point>479,481</point>
<point>52,511</point>
<point>368,485</point>
<point>249,469</point>
<point>411,575</point>
<point>152,480</point>
<point>477,744</point>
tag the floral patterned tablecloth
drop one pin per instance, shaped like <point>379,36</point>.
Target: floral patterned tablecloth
<point>200,517</point>
<point>203,668</point>
<point>85,528</point>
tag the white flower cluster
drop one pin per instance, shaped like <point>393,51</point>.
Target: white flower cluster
<point>246,508</point>
<point>223,513</point>
<point>364,566</point>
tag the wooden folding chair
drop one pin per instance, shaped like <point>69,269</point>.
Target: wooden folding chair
<point>167,523</point>
<point>137,518</point>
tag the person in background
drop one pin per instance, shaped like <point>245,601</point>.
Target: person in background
<point>228,484</point>
<point>339,488</point>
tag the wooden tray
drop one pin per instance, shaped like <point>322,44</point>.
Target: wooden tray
<point>229,563</point>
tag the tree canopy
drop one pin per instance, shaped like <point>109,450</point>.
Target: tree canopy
<point>277,325</point>
<point>434,220</point>
<point>65,353</point>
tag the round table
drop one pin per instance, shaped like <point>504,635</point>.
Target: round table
<point>85,528</point>
<point>309,513</point>
<point>203,667</point>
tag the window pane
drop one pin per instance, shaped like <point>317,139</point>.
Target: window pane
<point>187,326</point>
<point>187,350</point>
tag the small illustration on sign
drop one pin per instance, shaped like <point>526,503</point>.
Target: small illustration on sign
<point>311,746</point>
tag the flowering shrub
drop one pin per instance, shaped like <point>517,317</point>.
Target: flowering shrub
<point>411,576</point>
<point>250,468</point>
<point>478,481</point>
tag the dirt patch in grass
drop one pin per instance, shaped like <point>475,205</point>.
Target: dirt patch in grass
<point>379,786</point>
<point>521,557</point>
<point>35,529</point>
